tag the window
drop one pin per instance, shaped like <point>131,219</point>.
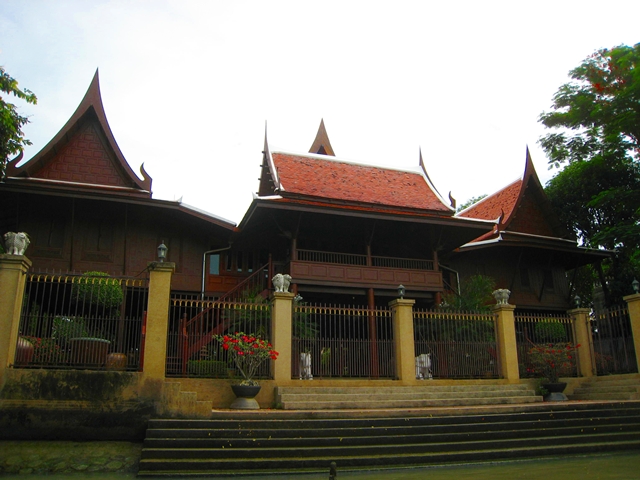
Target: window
<point>214,264</point>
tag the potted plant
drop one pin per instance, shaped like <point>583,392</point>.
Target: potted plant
<point>248,352</point>
<point>551,361</point>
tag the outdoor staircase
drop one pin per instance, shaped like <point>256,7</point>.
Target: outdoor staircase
<point>618,387</point>
<point>280,442</point>
<point>430,395</point>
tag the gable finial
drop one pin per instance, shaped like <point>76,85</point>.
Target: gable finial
<point>321,145</point>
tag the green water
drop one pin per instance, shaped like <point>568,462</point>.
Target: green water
<point>594,467</point>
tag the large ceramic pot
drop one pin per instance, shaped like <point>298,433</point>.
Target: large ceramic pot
<point>24,351</point>
<point>555,392</point>
<point>245,397</point>
<point>89,352</point>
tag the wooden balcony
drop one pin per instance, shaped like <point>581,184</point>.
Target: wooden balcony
<point>341,269</point>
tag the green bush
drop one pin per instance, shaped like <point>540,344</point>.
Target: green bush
<point>207,368</point>
<point>94,288</point>
<point>550,331</point>
<point>65,328</point>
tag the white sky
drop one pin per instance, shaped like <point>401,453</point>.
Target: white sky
<point>188,85</point>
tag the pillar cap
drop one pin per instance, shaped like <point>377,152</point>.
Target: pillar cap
<point>284,294</point>
<point>7,259</point>
<point>632,298</point>
<point>503,306</point>
<point>575,311</point>
<point>401,301</point>
<point>161,266</point>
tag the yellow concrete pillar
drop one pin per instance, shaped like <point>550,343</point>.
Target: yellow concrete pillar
<point>506,342</point>
<point>155,348</point>
<point>582,329</point>
<point>281,335</point>
<point>633,302</point>
<point>13,276</point>
<point>402,310</point>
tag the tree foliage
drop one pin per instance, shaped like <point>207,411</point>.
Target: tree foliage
<point>596,137</point>
<point>475,294</point>
<point>470,202</point>
<point>598,113</point>
<point>12,139</point>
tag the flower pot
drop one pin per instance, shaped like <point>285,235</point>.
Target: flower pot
<point>245,397</point>
<point>24,351</point>
<point>89,352</point>
<point>117,361</point>
<point>555,392</point>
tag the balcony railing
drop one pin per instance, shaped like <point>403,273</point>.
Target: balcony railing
<point>361,260</point>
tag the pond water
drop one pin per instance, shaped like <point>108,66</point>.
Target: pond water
<point>593,467</point>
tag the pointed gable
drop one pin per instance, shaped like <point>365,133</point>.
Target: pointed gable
<point>521,206</point>
<point>84,153</point>
<point>321,145</point>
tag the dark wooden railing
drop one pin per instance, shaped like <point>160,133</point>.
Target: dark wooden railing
<point>356,259</point>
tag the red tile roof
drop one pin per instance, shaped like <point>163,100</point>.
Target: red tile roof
<point>337,180</point>
<point>491,207</point>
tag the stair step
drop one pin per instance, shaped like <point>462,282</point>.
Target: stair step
<point>260,443</point>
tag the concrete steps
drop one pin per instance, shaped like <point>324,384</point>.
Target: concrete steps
<point>286,442</point>
<point>429,395</point>
<point>619,387</point>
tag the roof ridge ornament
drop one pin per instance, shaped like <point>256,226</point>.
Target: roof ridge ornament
<point>321,144</point>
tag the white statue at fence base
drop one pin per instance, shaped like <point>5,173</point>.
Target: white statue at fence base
<point>305,366</point>
<point>281,282</point>
<point>423,366</point>
<point>16,243</point>
<point>502,296</point>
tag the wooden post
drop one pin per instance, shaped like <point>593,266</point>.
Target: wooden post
<point>582,329</point>
<point>506,342</point>
<point>281,321</point>
<point>402,311</point>
<point>13,277</point>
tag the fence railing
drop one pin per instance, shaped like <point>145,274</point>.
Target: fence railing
<point>613,347</point>
<point>342,342</point>
<point>191,347</point>
<point>361,260</point>
<point>81,321</point>
<point>536,329</point>
<point>459,344</point>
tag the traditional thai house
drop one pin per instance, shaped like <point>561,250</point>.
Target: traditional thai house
<point>350,232</point>
<point>528,251</point>
<point>86,210</point>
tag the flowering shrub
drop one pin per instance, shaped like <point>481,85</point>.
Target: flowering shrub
<point>46,351</point>
<point>248,353</point>
<point>552,360</point>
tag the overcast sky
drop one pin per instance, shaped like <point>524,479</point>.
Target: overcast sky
<point>188,85</point>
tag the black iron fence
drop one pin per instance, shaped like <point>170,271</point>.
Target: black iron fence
<point>192,350</point>
<point>89,321</point>
<point>613,347</point>
<point>538,330</point>
<point>455,344</point>
<point>331,341</point>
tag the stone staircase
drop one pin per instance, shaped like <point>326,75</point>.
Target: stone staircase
<point>281,442</point>
<point>429,395</point>
<point>618,387</point>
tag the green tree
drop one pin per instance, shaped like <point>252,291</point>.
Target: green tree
<point>470,202</point>
<point>595,120</point>
<point>12,139</point>
<point>475,294</point>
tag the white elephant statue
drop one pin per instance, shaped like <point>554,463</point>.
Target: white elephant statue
<point>281,282</point>
<point>423,366</point>
<point>502,296</point>
<point>16,243</point>
<point>305,366</point>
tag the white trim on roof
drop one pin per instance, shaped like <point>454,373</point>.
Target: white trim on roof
<point>519,179</point>
<point>204,212</point>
